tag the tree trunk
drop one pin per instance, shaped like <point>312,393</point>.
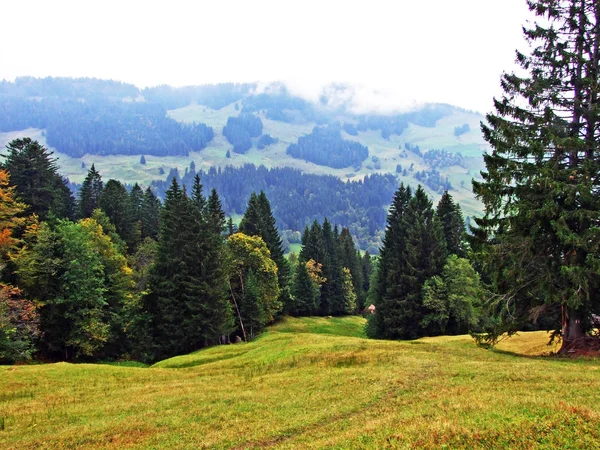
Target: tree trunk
<point>572,329</point>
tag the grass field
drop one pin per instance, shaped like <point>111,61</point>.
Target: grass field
<point>312,383</point>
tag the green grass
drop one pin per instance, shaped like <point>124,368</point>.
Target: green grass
<point>312,383</point>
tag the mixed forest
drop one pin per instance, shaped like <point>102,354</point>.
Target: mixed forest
<point>121,272</point>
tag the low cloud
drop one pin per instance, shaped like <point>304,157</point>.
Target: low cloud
<point>353,98</point>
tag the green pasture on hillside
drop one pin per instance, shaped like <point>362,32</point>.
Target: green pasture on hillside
<point>312,383</point>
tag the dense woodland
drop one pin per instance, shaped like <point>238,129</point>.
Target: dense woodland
<point>299,198</point>
<point>84,116</point>
<point>118,274</point>
<point>340,152</point>
<point>240,130</point>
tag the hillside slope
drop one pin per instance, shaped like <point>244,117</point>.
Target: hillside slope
<point>311,383</point>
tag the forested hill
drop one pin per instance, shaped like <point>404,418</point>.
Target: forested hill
<point>143,135</point>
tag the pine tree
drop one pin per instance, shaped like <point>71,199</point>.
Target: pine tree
<point>453,224</point>
<point>150,215</point>
<point>351,259</point>
<point>541,186</point>
<point>305,295</point>
<point>115,202</point>
<point>386,290</point>
<point>34,173</point>
<point>414,250</point>
<point>424,257</point>
<point>90,192</point>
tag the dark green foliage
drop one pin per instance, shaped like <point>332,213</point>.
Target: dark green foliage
<point>102,124</point>
<point>349,258</point>
<point>453,299</point>
<point>186,302</point>
<point>414,251</point>
<point>443,158</point>
<point>453,225</point>
<point>115,203</point>
<point>251,307</point>
<point>334,252</point>
<point>541,186</point>
<point>83,283</point>
<point>266,140</point>
<point>35,174</point>
<point>305,294</point>
<point>239,131</point>
<point>90,192</point>
<point>326,147</point>
<point>150,215</point>
<point>312,197</point>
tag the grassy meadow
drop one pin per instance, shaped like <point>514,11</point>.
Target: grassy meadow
<point>312,383</point>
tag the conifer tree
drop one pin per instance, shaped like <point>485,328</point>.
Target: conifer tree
<point>258,220</point>
<point>90,192</point>
<point>414,251</point>
<point>540,188</point>
<point>34,173</point>
<point>350,259</point>
<point>450,216</point>
<point>150,215</point>
<point>386,290</point>
<point>305,295</point>
<point>115,202</point>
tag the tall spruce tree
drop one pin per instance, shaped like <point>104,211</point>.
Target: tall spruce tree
<point>90,192</point>
<point>450,216</point>
<point>414,250</point>
<point>34,173</point>
<point>386,290</point>
<point>542,184</point>
<point>115,202</point>
<point>150,215</point>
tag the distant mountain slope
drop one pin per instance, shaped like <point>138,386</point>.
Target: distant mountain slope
<point>112,124</point>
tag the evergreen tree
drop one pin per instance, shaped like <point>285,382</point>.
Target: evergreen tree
<point>332,297</point>
<point>541,186</point>
<point>305,295</point>
<point>115,202</point>
<point>386,290</point>
<point>453,224</point>
<point>414,251</point>
<point>424,257</point>
<point>351,259</point>
<point>136,197</point>
<point>34,173</point>
<point>258,220</point>
<point>150,215</point>
<point>90,192</point>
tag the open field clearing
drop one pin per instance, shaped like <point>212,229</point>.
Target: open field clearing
<point>312,383</point>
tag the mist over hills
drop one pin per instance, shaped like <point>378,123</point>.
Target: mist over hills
<point>344,132</point>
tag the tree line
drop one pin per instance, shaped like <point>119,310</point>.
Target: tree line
<point>299,198</point>
<point>118,274</point>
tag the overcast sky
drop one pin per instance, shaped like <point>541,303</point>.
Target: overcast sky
<point>450,51</point>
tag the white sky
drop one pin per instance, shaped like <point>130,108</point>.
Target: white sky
<point>450,51</point>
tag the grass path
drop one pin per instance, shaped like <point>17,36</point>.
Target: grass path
<point>312,383</point>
